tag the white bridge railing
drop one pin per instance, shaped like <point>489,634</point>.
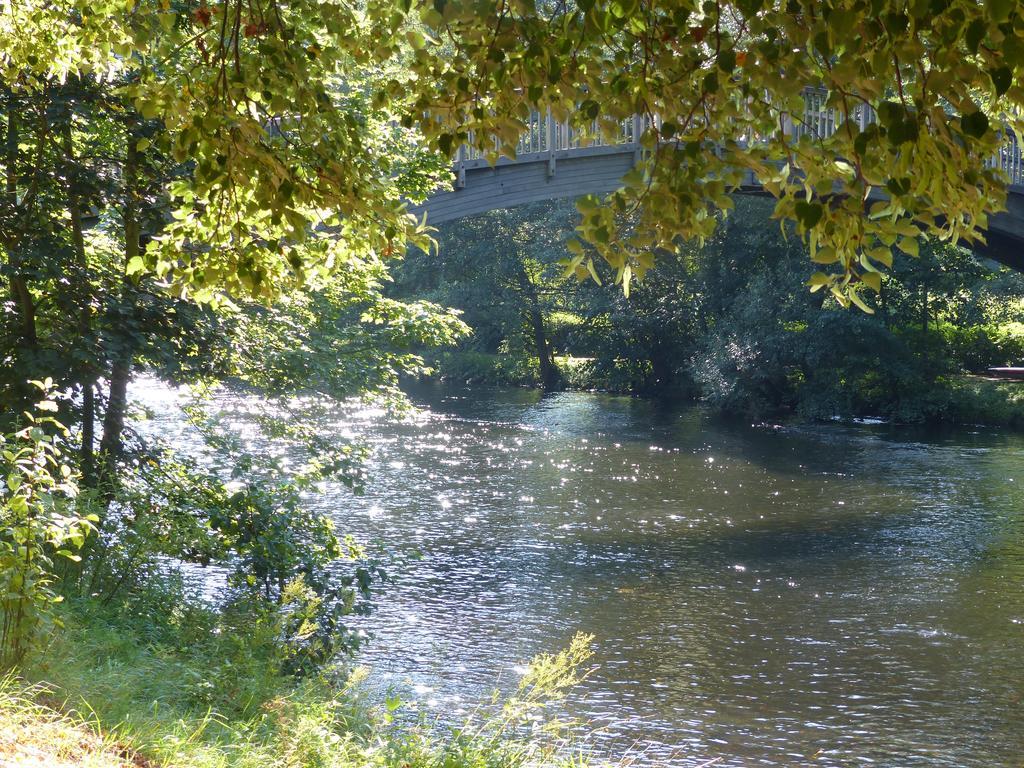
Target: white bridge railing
<point>546,136</point>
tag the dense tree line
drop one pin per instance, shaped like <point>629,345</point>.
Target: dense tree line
<point>729,322</point>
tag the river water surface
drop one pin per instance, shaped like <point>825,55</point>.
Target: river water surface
<point>768,596</point>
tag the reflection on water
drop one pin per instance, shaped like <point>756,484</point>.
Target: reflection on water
<point>833,596</point>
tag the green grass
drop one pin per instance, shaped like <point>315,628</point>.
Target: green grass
<point>189,687</point>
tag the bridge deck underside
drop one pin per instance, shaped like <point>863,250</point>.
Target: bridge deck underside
<point>511,184</point>
<point>599,170</point>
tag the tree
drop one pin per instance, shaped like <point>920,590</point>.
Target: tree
<point>500,269</point>
<point>720,84</point>
<point>268,102</point>
<point>124,244</point>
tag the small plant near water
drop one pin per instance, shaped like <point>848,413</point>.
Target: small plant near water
<point>517,729</point>
<point>38,522</point>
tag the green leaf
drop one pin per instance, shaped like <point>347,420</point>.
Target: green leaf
<point>826,255</point>
<point>909,245</point>
<point>135,266</point>
<point>999,10</point>
<point>817,281</point>
<point>974,124</point>
<point>882,256</point>
<point>1002,79</point>
<point>854,296</point>
<point>975,34</point>
<point>873,280</point>
<point>18,504</point>
<point>808,213</point>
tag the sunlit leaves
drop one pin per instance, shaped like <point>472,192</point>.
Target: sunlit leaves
<point>281,110</point>
<point>938,79</point>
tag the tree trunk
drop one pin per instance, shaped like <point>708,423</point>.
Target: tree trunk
<point>121,367</point>
<point>88,381</point>
<point>661,368</point>
<point>86,454</point>
<point>22,297</point>
<point>549,377</point>
<point>117,404</point>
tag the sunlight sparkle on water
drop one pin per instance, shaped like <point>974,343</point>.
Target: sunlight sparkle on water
<point>519,565</point>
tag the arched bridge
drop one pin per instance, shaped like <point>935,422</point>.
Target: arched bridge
<point>552,162</point>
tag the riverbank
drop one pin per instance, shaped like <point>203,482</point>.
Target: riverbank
<point>155,684</point>
<point>958,399</point>
<point>34,734</point>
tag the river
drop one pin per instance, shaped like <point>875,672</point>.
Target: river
<point>827,595</point>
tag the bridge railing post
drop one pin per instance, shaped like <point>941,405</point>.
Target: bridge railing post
<point>460,168</point>
<point>637,133</point>
<point>550,129</point>
<point>1013,166</point>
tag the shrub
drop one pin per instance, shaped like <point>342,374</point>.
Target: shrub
<point>38,523</point>
<point>978,347</point>
<point>205,691</point>
<point>502,369</point>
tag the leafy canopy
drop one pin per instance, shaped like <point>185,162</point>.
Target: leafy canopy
<point>289,112</point>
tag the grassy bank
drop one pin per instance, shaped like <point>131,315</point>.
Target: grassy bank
<point>35,734</point>
<point>981,400</point>
<point>144,685</point>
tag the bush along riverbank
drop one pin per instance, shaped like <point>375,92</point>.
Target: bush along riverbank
<point>730,323</point>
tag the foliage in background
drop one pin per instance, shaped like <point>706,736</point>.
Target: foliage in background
<point>727,322</point>
<point>499,269</point>
<point>718,82</point>
<point>274,125</point>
